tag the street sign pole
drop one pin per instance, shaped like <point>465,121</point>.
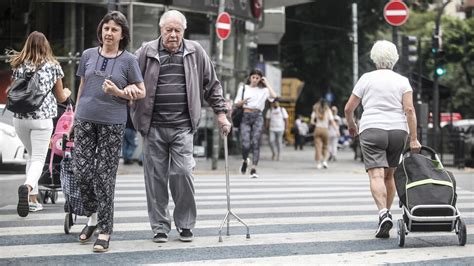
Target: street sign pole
<point>223,29</point>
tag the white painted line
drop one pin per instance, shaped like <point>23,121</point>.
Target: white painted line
<point>145,226</point>
<point>400,12</point>
<point>374,257</point>
<point>126,246</point>
<point>240,211</point>
<point>223,26</point>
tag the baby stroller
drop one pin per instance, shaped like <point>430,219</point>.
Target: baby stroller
<point>49,182</point>
<point>427,195</point>
<point>73,205</point>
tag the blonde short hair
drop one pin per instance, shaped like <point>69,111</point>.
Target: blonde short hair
<point>173,14</point>
<point>384,54</point>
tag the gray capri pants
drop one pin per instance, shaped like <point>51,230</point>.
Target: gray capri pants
<point>382,148</point>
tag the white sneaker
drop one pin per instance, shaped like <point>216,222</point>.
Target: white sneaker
<point>34,207</point>
<point>325,164</point>
<point>319,166</point>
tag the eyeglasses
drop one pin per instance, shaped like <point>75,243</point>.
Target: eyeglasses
<point>104,74</point>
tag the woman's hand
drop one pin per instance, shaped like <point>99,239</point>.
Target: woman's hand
<point>415,146</point>
<point>353,129</point>
<point>132,91</point>
<point>109,87</point>
<point>67,92</point>
<point>241,103</point>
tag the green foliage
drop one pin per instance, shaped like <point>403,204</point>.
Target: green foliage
<point>317,48</point>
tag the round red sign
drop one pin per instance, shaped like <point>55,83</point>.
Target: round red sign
<point>223,25</point>
<point>395,13</point>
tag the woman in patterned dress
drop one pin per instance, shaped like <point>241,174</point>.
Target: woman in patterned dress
<point>35,128</point>
<point>99,125</point>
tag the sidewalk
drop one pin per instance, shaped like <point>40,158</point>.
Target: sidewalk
<point>291,162</point>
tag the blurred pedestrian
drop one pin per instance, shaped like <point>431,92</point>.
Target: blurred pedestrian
<point>178,75</point>
<point>257,91</point>
<point>101,114</point>
<point>334,134</point>
<point>322,119</point>
<point>300,130</point>
<point>387,120</point>
<point>35,128</point>
<point>276,122</point>
<point>129,140</point>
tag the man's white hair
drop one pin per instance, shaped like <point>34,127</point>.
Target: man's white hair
<point>384,54</point>
<point>172,14</point>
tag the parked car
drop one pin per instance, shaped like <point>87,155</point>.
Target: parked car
<point>12,151</point>
<point>467,127</point>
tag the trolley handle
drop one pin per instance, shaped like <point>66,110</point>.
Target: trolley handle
<point>423,148</point>
<point>431,151</point>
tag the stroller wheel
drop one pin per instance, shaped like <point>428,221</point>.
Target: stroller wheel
<point>68,223</point>
<point>401,233</point>
<point>461,232</point>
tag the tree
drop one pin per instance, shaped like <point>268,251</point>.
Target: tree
<point>317,47</point>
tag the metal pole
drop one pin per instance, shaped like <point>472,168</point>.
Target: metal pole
<point>227,186</point>
<point>355,55</point>
<point>395,41</point>
<point>215,132</point>
<point>436,113</point>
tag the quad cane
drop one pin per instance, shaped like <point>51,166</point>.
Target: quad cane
<point>227,185</point>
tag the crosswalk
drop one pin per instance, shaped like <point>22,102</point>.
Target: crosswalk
<point>302,219</point>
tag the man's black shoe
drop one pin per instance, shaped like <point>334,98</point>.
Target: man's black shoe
<point>160,238</point>
<point>186,235</point>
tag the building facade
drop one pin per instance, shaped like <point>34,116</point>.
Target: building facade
<point>71,28</point>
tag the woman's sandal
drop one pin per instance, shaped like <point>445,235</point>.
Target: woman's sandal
<point>101,245</point>
<point>87,231</point>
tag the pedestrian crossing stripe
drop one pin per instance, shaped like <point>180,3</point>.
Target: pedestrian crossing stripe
<point>129,246</point>
<point>312,202</point>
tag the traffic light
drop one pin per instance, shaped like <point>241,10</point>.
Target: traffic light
<point>436,43</point>
<point>409,49</point>
<point>440,68</point>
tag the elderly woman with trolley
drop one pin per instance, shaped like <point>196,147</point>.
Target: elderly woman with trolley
<point>386,123</point>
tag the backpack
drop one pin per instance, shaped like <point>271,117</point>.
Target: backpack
<point>24,95</point>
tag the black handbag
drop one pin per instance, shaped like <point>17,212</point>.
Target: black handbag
<point>24,95</point>
<point>238,112</point>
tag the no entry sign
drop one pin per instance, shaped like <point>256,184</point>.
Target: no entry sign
<point>395,13</point>
<point>223,25</point>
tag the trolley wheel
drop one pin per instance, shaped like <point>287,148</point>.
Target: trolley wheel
<point>401,233</point>
<point>67,223</point>
<point>54,197</point>
<point>461,232</point>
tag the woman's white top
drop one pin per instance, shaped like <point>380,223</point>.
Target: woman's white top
<point>277,118</point>
<point>381,92</point>
<point>257,95</point>
<point>322,123</point>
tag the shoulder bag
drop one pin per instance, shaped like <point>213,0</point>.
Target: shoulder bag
<point>24,95</point>
<point>238,112</point>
